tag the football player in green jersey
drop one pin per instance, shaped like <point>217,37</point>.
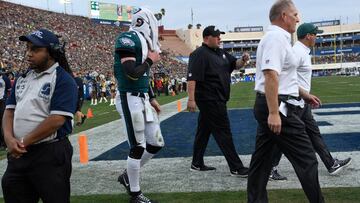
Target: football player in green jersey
<point>135,52</point>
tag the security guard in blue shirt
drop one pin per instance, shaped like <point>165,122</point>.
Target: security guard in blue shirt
<point>37,122</point>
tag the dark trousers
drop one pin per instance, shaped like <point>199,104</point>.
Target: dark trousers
<point>293,142</point>
<point>184,86</point>
<point>43,172</point>
<point>2,109</point>
<point>317,140</point>
<point>213,119</point>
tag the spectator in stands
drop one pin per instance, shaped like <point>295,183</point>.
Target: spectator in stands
<point>94,91</point>
<point>112,91</point>
<point>103,91</point>
<point>90,45</point>
<point>184,84</point>
<point>159,86</point>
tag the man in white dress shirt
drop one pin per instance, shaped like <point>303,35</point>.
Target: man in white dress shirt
<point>278,107</point>
<point>306,34</point>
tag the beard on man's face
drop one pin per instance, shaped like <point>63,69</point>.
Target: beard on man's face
<point>39,64</point>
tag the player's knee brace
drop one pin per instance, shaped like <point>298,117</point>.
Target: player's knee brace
<point>136,152</point>
<point>152,149</point>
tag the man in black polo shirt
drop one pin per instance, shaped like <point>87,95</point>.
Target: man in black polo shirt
<point>209,88</point>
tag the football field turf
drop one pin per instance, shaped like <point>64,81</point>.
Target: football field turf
<point>328,89</point>
<point>103,113</point>
<point>332,195</point>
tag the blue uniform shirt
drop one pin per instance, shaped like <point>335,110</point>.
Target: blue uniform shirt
<point>39,95</point>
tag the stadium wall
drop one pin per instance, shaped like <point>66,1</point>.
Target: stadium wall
<point>331,66</point>
<point>193,37</point>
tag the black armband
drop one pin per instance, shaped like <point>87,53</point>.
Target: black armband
<point>134,71</point>
<point>149,62</point>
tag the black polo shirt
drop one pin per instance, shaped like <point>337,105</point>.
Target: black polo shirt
<point>211,69</point>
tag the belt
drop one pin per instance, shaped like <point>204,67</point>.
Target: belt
<point>138,94</point>
<point>41,144</point>
<point>281,96</point>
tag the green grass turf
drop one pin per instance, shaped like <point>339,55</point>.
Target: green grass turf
<point>336,89</point>
<point>2,154</point>
<point>328,89</point>
<point>103,113</point>
<point>331,195</point>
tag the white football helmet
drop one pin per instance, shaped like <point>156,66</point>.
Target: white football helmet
<point>144,21</point>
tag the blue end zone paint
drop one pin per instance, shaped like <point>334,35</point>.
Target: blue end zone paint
<point>179,132</point>
<point>337,113</point>
<point>323,123</point>
<point>347,105</point>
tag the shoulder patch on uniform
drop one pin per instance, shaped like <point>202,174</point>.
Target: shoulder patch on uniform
<point>126,42</point>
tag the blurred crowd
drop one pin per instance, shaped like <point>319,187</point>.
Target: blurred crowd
<point>339,58</point>
<point>89,46</point>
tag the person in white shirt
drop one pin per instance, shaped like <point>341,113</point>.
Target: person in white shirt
<point>278,107</point>
<point>306,34</point>
<point>183,81</point>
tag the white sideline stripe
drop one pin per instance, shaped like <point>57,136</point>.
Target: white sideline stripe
<point>109,135</point>
<point>344,109</point>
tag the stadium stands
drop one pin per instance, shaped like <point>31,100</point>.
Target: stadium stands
<point>89,45</point>
<point>338,44</point>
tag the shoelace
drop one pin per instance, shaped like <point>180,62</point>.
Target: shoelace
<point>143,198</point>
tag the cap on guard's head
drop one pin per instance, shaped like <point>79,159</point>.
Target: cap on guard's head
<point>210,31</point>
<point>41,38</point>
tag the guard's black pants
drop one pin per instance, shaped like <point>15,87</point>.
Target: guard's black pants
<point>43,172</point>
<point>317,141</point>
<point>213,119</point>
<point>293,142</point>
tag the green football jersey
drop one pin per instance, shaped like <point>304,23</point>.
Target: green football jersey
<point>129,42</point>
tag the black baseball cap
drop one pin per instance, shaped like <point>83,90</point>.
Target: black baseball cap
<point>210,31</point>
<point>41,38</point>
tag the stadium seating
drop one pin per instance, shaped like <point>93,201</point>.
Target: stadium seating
<point>89,45</point>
